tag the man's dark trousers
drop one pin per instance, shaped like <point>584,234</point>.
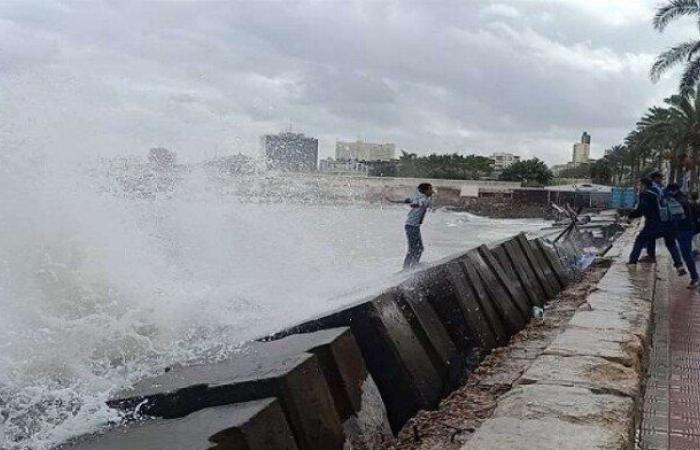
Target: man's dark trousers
<point>415,246</point>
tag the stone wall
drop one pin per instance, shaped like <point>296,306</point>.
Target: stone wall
<point>584,390</point>
<point>352,377</point>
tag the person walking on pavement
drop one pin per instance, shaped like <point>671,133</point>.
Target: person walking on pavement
<point>649,206</point>
<point>684,229</point>
<point>695,208</point>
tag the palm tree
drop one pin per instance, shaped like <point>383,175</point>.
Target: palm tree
<point>616,157</point>
<point>674,130</point>
<point>687,52</point>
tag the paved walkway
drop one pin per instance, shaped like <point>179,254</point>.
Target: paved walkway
<point>671,411</point>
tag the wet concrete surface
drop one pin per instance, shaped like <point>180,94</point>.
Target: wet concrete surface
<point>258,425</point>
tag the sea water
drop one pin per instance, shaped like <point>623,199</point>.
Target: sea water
<point>102,283</point>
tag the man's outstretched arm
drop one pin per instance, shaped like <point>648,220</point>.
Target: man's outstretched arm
<point>403,202</point>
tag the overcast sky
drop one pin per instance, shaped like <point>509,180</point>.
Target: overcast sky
<point>204,79</point>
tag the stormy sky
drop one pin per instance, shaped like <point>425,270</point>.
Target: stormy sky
<point>208,78</point>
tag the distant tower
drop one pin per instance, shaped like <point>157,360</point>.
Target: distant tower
<point>582,150</point>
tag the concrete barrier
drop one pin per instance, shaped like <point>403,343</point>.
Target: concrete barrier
<point>258,425</point>
<point>434,336</point>
<point>512,287</point>
<point>436,288</point>
<point>344,379</point>
<point>402,367</point>
<point>556,263</point>
<point>295,380</point>
<point>525,271</point>
<point>584,390</point>
<point>355,395</point>
<point>513,319</point>
<point>501,334</point>
<point>501,255</point>
<point>549,286</point>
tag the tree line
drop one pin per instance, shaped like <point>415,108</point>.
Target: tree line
<point>459,167</point>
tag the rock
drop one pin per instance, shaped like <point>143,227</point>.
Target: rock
<point>631,322</point>
<point>502,375</point>
<point>570,404</point>
<point>611,344</point>
<point>506,433</point>
<point>597,374</point>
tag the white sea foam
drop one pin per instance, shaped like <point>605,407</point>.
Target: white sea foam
<point>100,287</point>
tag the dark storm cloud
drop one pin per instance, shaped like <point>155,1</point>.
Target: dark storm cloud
<point>526,76</point>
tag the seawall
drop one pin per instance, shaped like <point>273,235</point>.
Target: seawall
<point>585,389</point>
<point>352,377</point>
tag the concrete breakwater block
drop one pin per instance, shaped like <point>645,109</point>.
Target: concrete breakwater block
<point>525,272</point>
<point>399,363</point>
<point>257,425</point>
<point>569,252</point>
<point>549,286</point>
<point>446,288</point>
<point>501,256</point>
<point>546,266</point>
<point>415,304</point>
<point>551,259</point>
<point>512,286</point>
<point>500,333</point>
<point>296,380</point>
<point>551,254</point>
<point>512,318</point>
<point>479,313</point>
<point>355,394</point>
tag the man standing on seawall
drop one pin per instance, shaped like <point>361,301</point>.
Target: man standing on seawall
<point>419,206</point>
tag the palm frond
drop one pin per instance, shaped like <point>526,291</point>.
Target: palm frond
<point>694,50</point>
<point>673,10</point>
<point>690,78</point>
<point>671,57</point>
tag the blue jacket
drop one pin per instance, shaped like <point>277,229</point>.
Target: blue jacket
<point>648,207</point>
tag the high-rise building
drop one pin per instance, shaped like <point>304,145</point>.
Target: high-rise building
<point>582,150</point>
<point>503,160</point>
<point>291,152</point>
<point>364,151</point>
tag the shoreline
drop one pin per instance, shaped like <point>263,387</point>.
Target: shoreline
<point>504,209</point>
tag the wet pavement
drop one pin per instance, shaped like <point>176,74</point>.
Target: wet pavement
<point>671,408</point>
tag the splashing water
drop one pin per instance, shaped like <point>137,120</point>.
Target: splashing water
<point>100,287</point>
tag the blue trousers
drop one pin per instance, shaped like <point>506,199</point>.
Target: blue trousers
<point>415,246</point>
<point>685,242</point>
<point>647,239</point>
